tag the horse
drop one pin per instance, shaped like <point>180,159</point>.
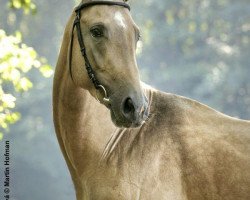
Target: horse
<point>122,139</point>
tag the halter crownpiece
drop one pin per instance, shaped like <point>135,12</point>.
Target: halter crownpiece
<point>88,66</point>
<point>94,3</point>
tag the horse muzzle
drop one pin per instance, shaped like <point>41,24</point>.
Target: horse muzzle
<point>131,113</point>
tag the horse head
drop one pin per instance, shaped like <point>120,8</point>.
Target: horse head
<point>109,37</point>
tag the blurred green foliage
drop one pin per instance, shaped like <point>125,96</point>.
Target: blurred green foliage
<point>27,5</point>
<point>35,156</point>
<point>16,60</point>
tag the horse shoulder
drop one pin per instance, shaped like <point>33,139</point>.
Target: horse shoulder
<point>214,148</point>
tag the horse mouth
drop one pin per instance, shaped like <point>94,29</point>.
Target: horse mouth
<point>121,123</point>
<point>118,121</point>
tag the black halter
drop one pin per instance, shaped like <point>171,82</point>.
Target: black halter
<point>77,24</point>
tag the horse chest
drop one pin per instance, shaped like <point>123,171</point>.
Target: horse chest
<point>152,176</point>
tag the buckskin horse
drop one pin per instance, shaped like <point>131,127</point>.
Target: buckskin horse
<point>155,145</point>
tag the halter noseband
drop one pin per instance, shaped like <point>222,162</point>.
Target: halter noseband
<point>88,66</point>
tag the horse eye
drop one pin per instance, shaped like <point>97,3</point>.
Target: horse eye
<point>96,32</point>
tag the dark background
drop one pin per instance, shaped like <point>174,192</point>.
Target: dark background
<point>195,48</point>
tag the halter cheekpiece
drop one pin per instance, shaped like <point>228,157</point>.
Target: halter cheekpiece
<point>88,66</point>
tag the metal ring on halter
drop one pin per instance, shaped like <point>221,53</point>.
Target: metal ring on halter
<point>105,98</point>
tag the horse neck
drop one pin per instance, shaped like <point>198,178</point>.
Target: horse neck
<point>80,121</point>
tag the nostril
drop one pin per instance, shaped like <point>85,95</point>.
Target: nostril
<point>128,106</point>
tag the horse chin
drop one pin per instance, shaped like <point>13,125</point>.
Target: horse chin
<point>118,122</point>
<point>123,124</point>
